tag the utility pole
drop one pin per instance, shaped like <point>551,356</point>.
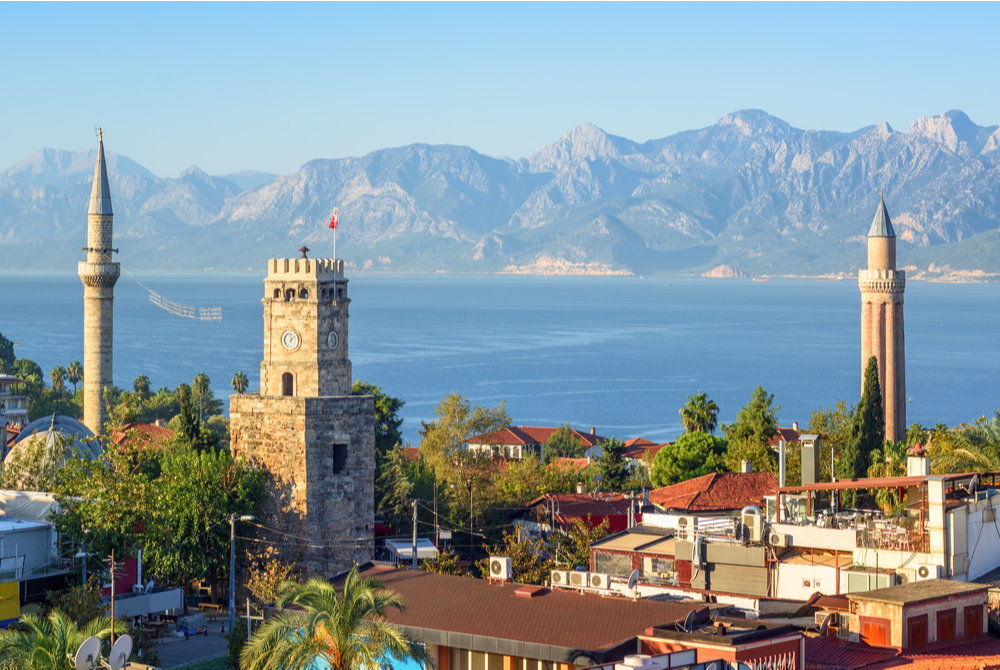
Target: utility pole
<point>112,597</point>
<point>233,518</point>
<point>413,556</point>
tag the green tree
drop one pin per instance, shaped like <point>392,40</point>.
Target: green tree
<point>7,356</point>
<point>444,439</point>
<point>867,428</point>
<point>201,387</point>
<point>748,436</point>
<point>970,447</point>
<point>240,382</point>
<point>531,561</point>
<point>141,386</point>
<point>74,373</point>
<point>445,563</point>
<point>347,629</point>
<point>387,419</point>
<point>889,461</point>
<point>47,643</point>
<point>612,467</point>
<point>692,455</point>
<point>833,425</point>
<point>394,490</point>
<point>699,414</point>
<point>573,545</point>
<point>563,443</point>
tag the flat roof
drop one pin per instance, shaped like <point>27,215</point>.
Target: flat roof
<point>9,524</point>
<point>629,540</point>
<point>920,591</point>
<point>874,483</point>
<point>552,625</point>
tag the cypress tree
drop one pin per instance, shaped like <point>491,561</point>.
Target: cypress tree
<point>867,427</point>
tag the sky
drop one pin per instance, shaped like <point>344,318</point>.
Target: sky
<point>269,86</point>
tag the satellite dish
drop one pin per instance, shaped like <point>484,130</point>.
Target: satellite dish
<point>973,484</point>
<point>120,652</point>
<point>149,586</point>
<point>633,579</point>
<point>825,626</point>
<point>688,624</point>
<point>88,655</point>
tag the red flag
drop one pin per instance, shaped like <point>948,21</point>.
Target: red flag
<point>333,219</point>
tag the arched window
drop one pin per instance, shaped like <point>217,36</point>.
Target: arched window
<point>290,295</point>
<point>277,293</point>
<point>340,294</point>
<point>303,294</point>
<point>287,384</point>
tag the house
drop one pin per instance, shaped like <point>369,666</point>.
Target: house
<point>640,452</point>
<point>516,442</point>
<point>145,435</point>
<point>719,493</point>
<point>562,510</point>
<point>748,643</point>
<point>472,624</point>
<point>13,401</point>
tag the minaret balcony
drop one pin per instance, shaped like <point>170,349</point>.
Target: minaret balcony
<point>98,274</point>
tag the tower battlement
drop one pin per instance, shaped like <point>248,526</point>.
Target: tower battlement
<point>319,269</point>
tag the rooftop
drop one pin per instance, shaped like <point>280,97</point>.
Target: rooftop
<point>916,592</point>
<point>551,625</point>
<point>716,492</point>
<point>573,505</point>
<point>523,435</point>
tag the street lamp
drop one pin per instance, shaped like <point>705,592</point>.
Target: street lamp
<point>233,518</point>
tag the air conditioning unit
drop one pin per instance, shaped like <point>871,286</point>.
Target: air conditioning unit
<point>559,577</point>
<point>753,522</point>
<point>906,575</point>
<point>778,540</point>
<point>501,568</point>
<point>599,580</point>
<point>819,617</point>
<point>686,527</point>
<point>925,571</point>
<point>577,578</point>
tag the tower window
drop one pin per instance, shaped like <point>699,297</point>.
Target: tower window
<point>340,293</point>
<point>303,293</point>
<point>290,295</point>
<point>277,293</point>
<point>287,384</point>
<point>339,458</point>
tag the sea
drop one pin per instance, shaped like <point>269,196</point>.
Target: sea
<point>619,354</point>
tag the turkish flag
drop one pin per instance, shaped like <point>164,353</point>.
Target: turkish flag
<point>333,219</point>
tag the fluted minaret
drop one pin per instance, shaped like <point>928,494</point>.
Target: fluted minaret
<point>882,287</point>
<point>99,275</point>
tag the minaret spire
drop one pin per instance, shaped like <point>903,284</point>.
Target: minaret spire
<point>99,273</point>
<point>882,287</point>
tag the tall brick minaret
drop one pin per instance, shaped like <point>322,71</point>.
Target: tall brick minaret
<point>99,275</point>
<point>882,287</point>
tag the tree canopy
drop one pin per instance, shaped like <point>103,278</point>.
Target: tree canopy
<point>867,428</point>
<point>699,414</point>
<point>692,455</point>
<point>748,436</point>
<point>563,443</point>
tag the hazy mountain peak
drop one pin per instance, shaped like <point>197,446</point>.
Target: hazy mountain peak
<point>954,129</point>
<point>754,121</point>
<point>585,142</point>
<point>194,171</point>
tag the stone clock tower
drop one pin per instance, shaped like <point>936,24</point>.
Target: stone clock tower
<point>315,440</point>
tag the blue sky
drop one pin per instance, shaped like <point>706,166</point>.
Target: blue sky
<point>232,86</point>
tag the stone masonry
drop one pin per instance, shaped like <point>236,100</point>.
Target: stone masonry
<point>99,274</point>
<point>882,286</point>
<point>314,439</point>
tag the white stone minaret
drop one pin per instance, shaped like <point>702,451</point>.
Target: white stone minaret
<point>882,288</point>
<point>99,275</point>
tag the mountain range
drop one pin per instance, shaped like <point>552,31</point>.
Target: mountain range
<point>748,195</point>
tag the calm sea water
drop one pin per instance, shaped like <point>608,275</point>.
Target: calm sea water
<point>619,354</point>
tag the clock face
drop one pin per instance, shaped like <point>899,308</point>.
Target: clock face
<point>332,340</point>
<point>290,339</point>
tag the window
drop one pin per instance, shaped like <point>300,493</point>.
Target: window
<point>277,293</point>
<point>290,295</point>
<point>339,458</point>
<point>303,294</point>
<point>619,565</point>
<point>287,384</point>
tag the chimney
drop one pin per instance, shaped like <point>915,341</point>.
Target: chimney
<point>746,467</point>
<point>810,459</point>
<point>579,487</point>
<point>593,430</point>
<point>160,422</point>
<point>781,463</point>
<point>917,463</point>
<point>795,426</point>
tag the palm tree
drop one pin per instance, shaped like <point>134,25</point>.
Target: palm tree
<point>889,461</point>
<point>44,643</point>
<point>74,373</point>
<point>201,386</point>
<point>240,382</point>
<point>58,377</point>
<point>141,385</point>
<point>347,629</point>
<point>699,414</point>
<point>970,447</point>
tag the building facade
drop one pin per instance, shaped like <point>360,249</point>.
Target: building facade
<point>315,440</point>
<point>882,286</point>
<point>99,275</point>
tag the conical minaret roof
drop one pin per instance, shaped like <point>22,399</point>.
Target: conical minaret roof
<point>100,194</point>
<point>881,224</point>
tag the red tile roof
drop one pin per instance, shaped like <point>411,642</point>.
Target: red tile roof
<point>716,492</point>
<point>559,618</point>
<point>582,505</point>
<point>789,435</point>
<point>829,653</point>
<point>638,451</point>
<point>145,434</point>
<point>566,463</point>
<point>524,435</point>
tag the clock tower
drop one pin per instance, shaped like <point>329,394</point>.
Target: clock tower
<point>314,439</point>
